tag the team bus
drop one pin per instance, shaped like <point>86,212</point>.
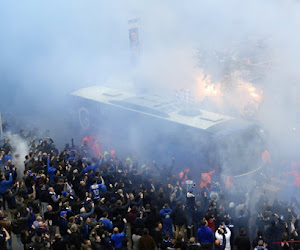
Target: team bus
<point>157,127</point>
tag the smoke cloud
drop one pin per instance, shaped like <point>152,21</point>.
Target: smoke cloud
<point>49,49</point>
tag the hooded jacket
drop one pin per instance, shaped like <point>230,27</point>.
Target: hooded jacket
<point>166,214</point>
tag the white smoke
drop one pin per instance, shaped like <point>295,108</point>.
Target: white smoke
<point>19,150</point>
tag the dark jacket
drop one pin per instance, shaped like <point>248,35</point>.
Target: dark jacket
<point>63,226</point>
<point>11,201</point>
<point>59,244</point>
<point>53,216</point>
<point>19,224</point>
<point>179,216</point>
<point>75,239</point>
<point>242,242</point>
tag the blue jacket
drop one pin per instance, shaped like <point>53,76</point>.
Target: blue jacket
<point>51,171</point>
<point>5,185</point>
<point>92,167</point>
<point>117,239</point>
<point>205,235</point>
<point>107,223</point>
<point>166,214</point>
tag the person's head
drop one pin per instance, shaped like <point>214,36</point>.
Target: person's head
<point>166,236</point>
<point>260,243</point>
<point>116,230</point>
<point>145,231</point>
<point>204,223</point>
<point>285,236</point>
<point>179,204</point>
<point>131,196</point>
<point>49,208</point>
<point>57,237</point>
<point>217,243</point>
<point>74,228</point>
<point>87,242</point>
<point>192,240</point>
<point>82,210</point>
<point>38,239</point>
<point>159,226</point>
<point>63,214</point>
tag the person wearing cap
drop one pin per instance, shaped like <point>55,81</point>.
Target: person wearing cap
<point>64,197</point>
<point>63,224</point>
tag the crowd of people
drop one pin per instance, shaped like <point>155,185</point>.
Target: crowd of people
<point>81,198</point>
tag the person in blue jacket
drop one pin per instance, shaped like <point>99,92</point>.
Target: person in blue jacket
<point>117,238</point>
<point>89,166</point>
<point>96,189</point>
<point>205,235</point>
<point>4,186</point>
<point>107,224</point>
<point>166,214</point>
<point>51,170</point>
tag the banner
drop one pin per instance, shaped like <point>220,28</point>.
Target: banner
<point>134,38</point>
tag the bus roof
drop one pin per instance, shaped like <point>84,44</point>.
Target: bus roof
<point>158,106</point>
